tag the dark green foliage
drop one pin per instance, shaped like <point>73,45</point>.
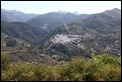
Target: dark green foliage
<point>11,43</point>
<point>60,47</point>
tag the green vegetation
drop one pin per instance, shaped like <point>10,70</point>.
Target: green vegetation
<point>99,68</point>
<point>4,60</point>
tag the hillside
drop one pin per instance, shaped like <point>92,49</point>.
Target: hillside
<point>99,33</point>
<point>22,31</point>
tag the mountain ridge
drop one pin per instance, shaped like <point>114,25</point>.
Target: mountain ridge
<point>15,16</point>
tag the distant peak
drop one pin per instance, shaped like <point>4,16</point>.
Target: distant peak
<point>15,11</point>
<point>115,9</point>
<point>3,10</point>
<point>62,12</point>
<point>76,13</point>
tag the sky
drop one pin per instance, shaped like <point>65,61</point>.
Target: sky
<point>42,7</point>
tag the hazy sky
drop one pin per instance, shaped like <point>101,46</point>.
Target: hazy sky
<point>42,7</point>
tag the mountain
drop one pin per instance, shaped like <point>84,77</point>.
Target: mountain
<point>62,36</point>
<point>99,33</point>
<point>15,16</point>
<point>22,31</point>
<point>51,21</point>
<point>116,13</point>
<point>75,12</point>
<point>102,22</point>
<point>62,12</point>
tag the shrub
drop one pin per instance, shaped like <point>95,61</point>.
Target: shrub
<point>4,60</point>
<point>98,68</point>
<point>11,43</point>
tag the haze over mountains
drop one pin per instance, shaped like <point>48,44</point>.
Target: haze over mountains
<point>56,36</point>
<point>53,20</point>
<point>15,16</point>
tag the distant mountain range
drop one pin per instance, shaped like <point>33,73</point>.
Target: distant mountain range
<point>15,16</point>
<point>51,21</point>
<point>46,22</point>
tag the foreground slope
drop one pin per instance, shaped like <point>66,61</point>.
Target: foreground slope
<point>102,67</point>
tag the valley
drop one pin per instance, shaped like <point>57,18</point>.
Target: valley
<point>93,34</point>
<point>53,39</point>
